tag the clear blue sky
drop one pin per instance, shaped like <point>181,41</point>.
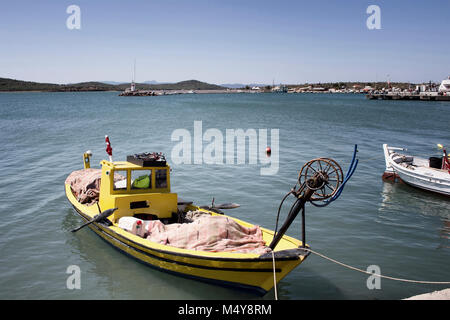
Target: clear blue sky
<point>225,41</point>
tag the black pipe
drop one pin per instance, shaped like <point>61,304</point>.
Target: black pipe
<point>295,209</point>
<point>298,205</point>
<point>303,228</point>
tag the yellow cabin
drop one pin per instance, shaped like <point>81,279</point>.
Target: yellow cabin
<point>137,190</point>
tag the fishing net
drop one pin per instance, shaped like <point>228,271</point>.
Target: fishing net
<point>85,184</point>
<point>208,233</point>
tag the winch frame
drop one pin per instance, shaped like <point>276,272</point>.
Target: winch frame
<point>314,178</point>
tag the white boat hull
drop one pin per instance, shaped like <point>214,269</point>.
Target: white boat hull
<point>429,184</point>
<point>423,177</point>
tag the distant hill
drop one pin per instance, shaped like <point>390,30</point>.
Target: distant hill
<point>182,85</point>
<point>155,82</point>
<point>19,85</point>
<point>113,82</point>
<point>144,82</point>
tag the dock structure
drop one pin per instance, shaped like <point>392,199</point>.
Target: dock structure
<point>140,93</point>
<point>143,93</point>
<point>435,295</point>
<point>407,96</point>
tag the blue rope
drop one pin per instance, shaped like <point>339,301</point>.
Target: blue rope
<point>349,174</point>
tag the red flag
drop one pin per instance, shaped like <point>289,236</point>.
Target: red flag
<point>445,162</point>
<point>108,146</point>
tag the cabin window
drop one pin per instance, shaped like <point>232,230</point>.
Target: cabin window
<point>161,178</point>
<point>141,179</point>
<point>120,179</point>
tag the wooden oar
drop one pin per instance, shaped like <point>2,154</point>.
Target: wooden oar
<point>226,206</point>
<point>105,214</point>
<point>221,206</point>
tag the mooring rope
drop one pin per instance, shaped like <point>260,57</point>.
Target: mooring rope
<point>374,274</point>
<point>274,276</point>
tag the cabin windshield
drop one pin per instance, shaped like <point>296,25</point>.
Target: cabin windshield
<point>141,179</point>
<point>161,178</point>
<point>144,180</point>
<point>120,179</point>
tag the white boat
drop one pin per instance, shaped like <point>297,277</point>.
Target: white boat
<point>416,171</point>
<point>445,86</point>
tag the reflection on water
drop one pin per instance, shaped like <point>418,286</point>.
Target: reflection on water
<point>400,195</point>
<point>445,233</point>
<point>402,199</point>
<point>125,278</point>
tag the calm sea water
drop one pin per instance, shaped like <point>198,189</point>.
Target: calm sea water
<point>402,230</point>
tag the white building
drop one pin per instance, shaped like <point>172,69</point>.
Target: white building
<point>280,88</point>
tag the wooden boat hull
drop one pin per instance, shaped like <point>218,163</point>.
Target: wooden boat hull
<point>421,182</point>
<point>249,272</point>
<point>427,179</point>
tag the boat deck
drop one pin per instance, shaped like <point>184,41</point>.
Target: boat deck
<point>421,166</point>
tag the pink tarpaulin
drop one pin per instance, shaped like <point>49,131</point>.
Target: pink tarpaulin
<point>85,184</point>
<point>209,233</point>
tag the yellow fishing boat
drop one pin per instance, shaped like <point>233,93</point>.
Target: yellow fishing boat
<point>153,200</point>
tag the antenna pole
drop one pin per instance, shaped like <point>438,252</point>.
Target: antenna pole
<point>134,71</point>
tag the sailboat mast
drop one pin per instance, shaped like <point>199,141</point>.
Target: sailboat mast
<point>133,85</point>
<point>134,71</point>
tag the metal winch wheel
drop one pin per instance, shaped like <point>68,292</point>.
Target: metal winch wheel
<point>320,179</point>
<point>323,176</point>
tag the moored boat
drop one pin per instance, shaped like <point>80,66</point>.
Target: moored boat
<point>135,205</point>
<point>431,174</point>
<point>444,88</point>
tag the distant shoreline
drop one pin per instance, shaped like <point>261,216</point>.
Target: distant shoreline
<point>50,91</point>
<point>12,85</point>
<point>173,92</point>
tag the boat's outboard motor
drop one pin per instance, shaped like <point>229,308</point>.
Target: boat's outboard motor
<point>320,182</point>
